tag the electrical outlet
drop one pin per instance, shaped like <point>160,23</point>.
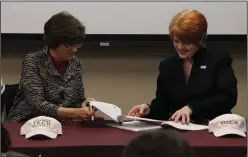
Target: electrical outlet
<point>104,44</point>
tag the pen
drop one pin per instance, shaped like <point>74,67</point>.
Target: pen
<point>90,108</point>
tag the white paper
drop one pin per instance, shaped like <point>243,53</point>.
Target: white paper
<point>135,126</point>
<point>110,110</point>
<point>189,126</point>
<point>159,122</point>
<point>103,115</point>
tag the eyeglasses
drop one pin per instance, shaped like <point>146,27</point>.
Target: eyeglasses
<point>70,46</point>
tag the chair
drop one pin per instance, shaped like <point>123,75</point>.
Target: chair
<point>7,98</point>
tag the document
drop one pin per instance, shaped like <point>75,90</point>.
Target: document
<point>113,112</point>
<point>181,126</point>
<point>109,111</point>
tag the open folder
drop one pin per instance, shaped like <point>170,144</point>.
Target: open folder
<point>113,112</point>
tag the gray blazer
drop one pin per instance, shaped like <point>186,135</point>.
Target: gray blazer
<point>42,90</point>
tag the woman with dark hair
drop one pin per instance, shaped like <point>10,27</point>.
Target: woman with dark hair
<point>198,83</point>
<point>51,79</point>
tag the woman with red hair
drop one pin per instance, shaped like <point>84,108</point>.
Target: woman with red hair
<point>197,83</point>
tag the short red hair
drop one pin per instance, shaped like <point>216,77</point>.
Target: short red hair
<point>189,26</point>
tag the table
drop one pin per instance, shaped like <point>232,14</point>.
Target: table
<point>98,140</point>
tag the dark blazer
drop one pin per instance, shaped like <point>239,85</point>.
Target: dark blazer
<point>210,91</point>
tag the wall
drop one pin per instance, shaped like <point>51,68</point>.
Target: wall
<point>123,17</point>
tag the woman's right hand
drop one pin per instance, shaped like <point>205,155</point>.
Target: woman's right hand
<point>83,113</point>
<point>75,113</point>
<point>139,110</point>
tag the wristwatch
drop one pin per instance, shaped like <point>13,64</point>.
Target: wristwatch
<point>149,107</point>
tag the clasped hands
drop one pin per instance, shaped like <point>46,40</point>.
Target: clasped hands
<point>182,115</point>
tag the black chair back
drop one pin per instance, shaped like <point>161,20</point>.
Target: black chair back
<point>8,96</point>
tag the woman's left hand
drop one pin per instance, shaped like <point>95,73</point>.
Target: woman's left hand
<point>84,104</point>
<point>183,114</point>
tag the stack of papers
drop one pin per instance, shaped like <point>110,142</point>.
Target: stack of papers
<point>181,126</point>
<point>142,126</point>
<point>135,126</point>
